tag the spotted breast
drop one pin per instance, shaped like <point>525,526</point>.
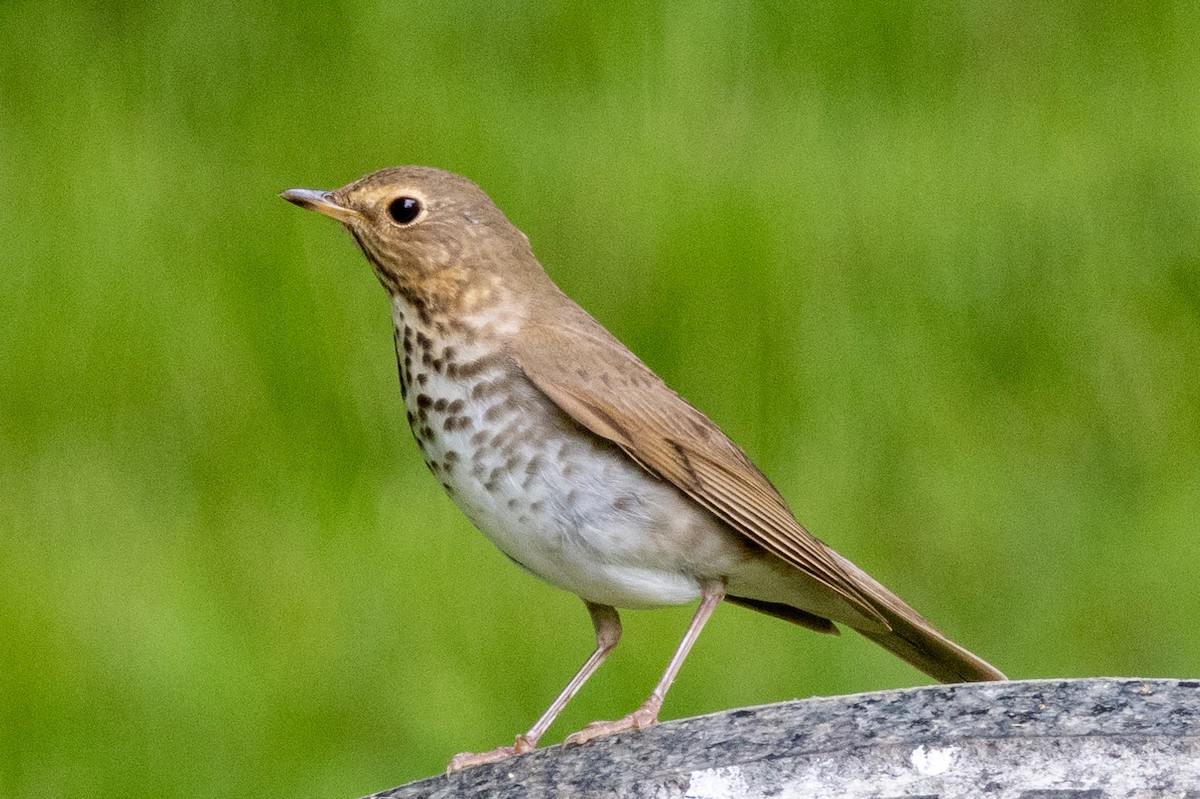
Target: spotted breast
<point>563,503</point>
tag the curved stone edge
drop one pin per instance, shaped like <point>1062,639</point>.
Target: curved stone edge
<point>933,716</point>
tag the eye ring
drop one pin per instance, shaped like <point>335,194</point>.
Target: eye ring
<point>405,210</point>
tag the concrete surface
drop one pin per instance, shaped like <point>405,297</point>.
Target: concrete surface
<point>1101,738</point>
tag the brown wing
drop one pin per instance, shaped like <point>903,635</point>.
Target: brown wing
<point>603,386</point>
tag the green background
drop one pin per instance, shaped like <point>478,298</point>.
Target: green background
<point>935,265</point>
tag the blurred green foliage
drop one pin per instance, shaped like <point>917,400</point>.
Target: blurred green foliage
<point>935,265</point>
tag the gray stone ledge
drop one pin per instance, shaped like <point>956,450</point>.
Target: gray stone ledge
<point>1101,738</point>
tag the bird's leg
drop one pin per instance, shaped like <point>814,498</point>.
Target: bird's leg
<point>608,632</point>
<point>647,713</point>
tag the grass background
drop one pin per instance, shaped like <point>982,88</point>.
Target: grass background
<point>935,265</point>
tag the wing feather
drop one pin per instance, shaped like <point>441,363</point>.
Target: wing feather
<point>602,385</point>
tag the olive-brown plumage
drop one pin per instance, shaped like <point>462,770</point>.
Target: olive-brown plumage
<point>575,458</point>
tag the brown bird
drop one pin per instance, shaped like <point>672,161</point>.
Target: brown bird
<point>577,460</point>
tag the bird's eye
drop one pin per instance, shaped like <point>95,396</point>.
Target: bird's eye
<point>403,210</point>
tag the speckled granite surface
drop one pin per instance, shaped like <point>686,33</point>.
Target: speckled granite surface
<point>1097,738</point>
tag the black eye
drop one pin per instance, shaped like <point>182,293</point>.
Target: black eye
<point>404,210</point>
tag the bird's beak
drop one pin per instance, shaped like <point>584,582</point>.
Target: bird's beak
<point>315,200</point>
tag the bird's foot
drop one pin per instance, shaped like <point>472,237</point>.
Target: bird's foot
<point>471,759</point>
<point>639,719</point>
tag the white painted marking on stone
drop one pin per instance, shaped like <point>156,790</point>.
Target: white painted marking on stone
<point>933,760</point>
<point>717,783</point>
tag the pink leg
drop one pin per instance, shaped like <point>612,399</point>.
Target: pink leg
<point>608,632</point>
<point>647,712</point>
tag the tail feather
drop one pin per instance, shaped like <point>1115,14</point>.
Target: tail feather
<point>915,640</point>
<point>933,653</point>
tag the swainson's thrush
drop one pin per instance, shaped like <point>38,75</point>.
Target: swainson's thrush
<point>575,459</point>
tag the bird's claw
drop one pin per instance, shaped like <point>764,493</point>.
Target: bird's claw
<point>464,760</point>
<point>639,719</point>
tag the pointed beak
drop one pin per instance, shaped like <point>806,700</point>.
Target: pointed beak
<point>315,200</point>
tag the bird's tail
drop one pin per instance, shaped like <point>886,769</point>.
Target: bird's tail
<point>915,640</point>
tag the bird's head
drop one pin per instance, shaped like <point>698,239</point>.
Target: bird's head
<point>417,224</point>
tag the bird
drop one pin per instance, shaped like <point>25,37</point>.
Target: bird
<point>576,459</point>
